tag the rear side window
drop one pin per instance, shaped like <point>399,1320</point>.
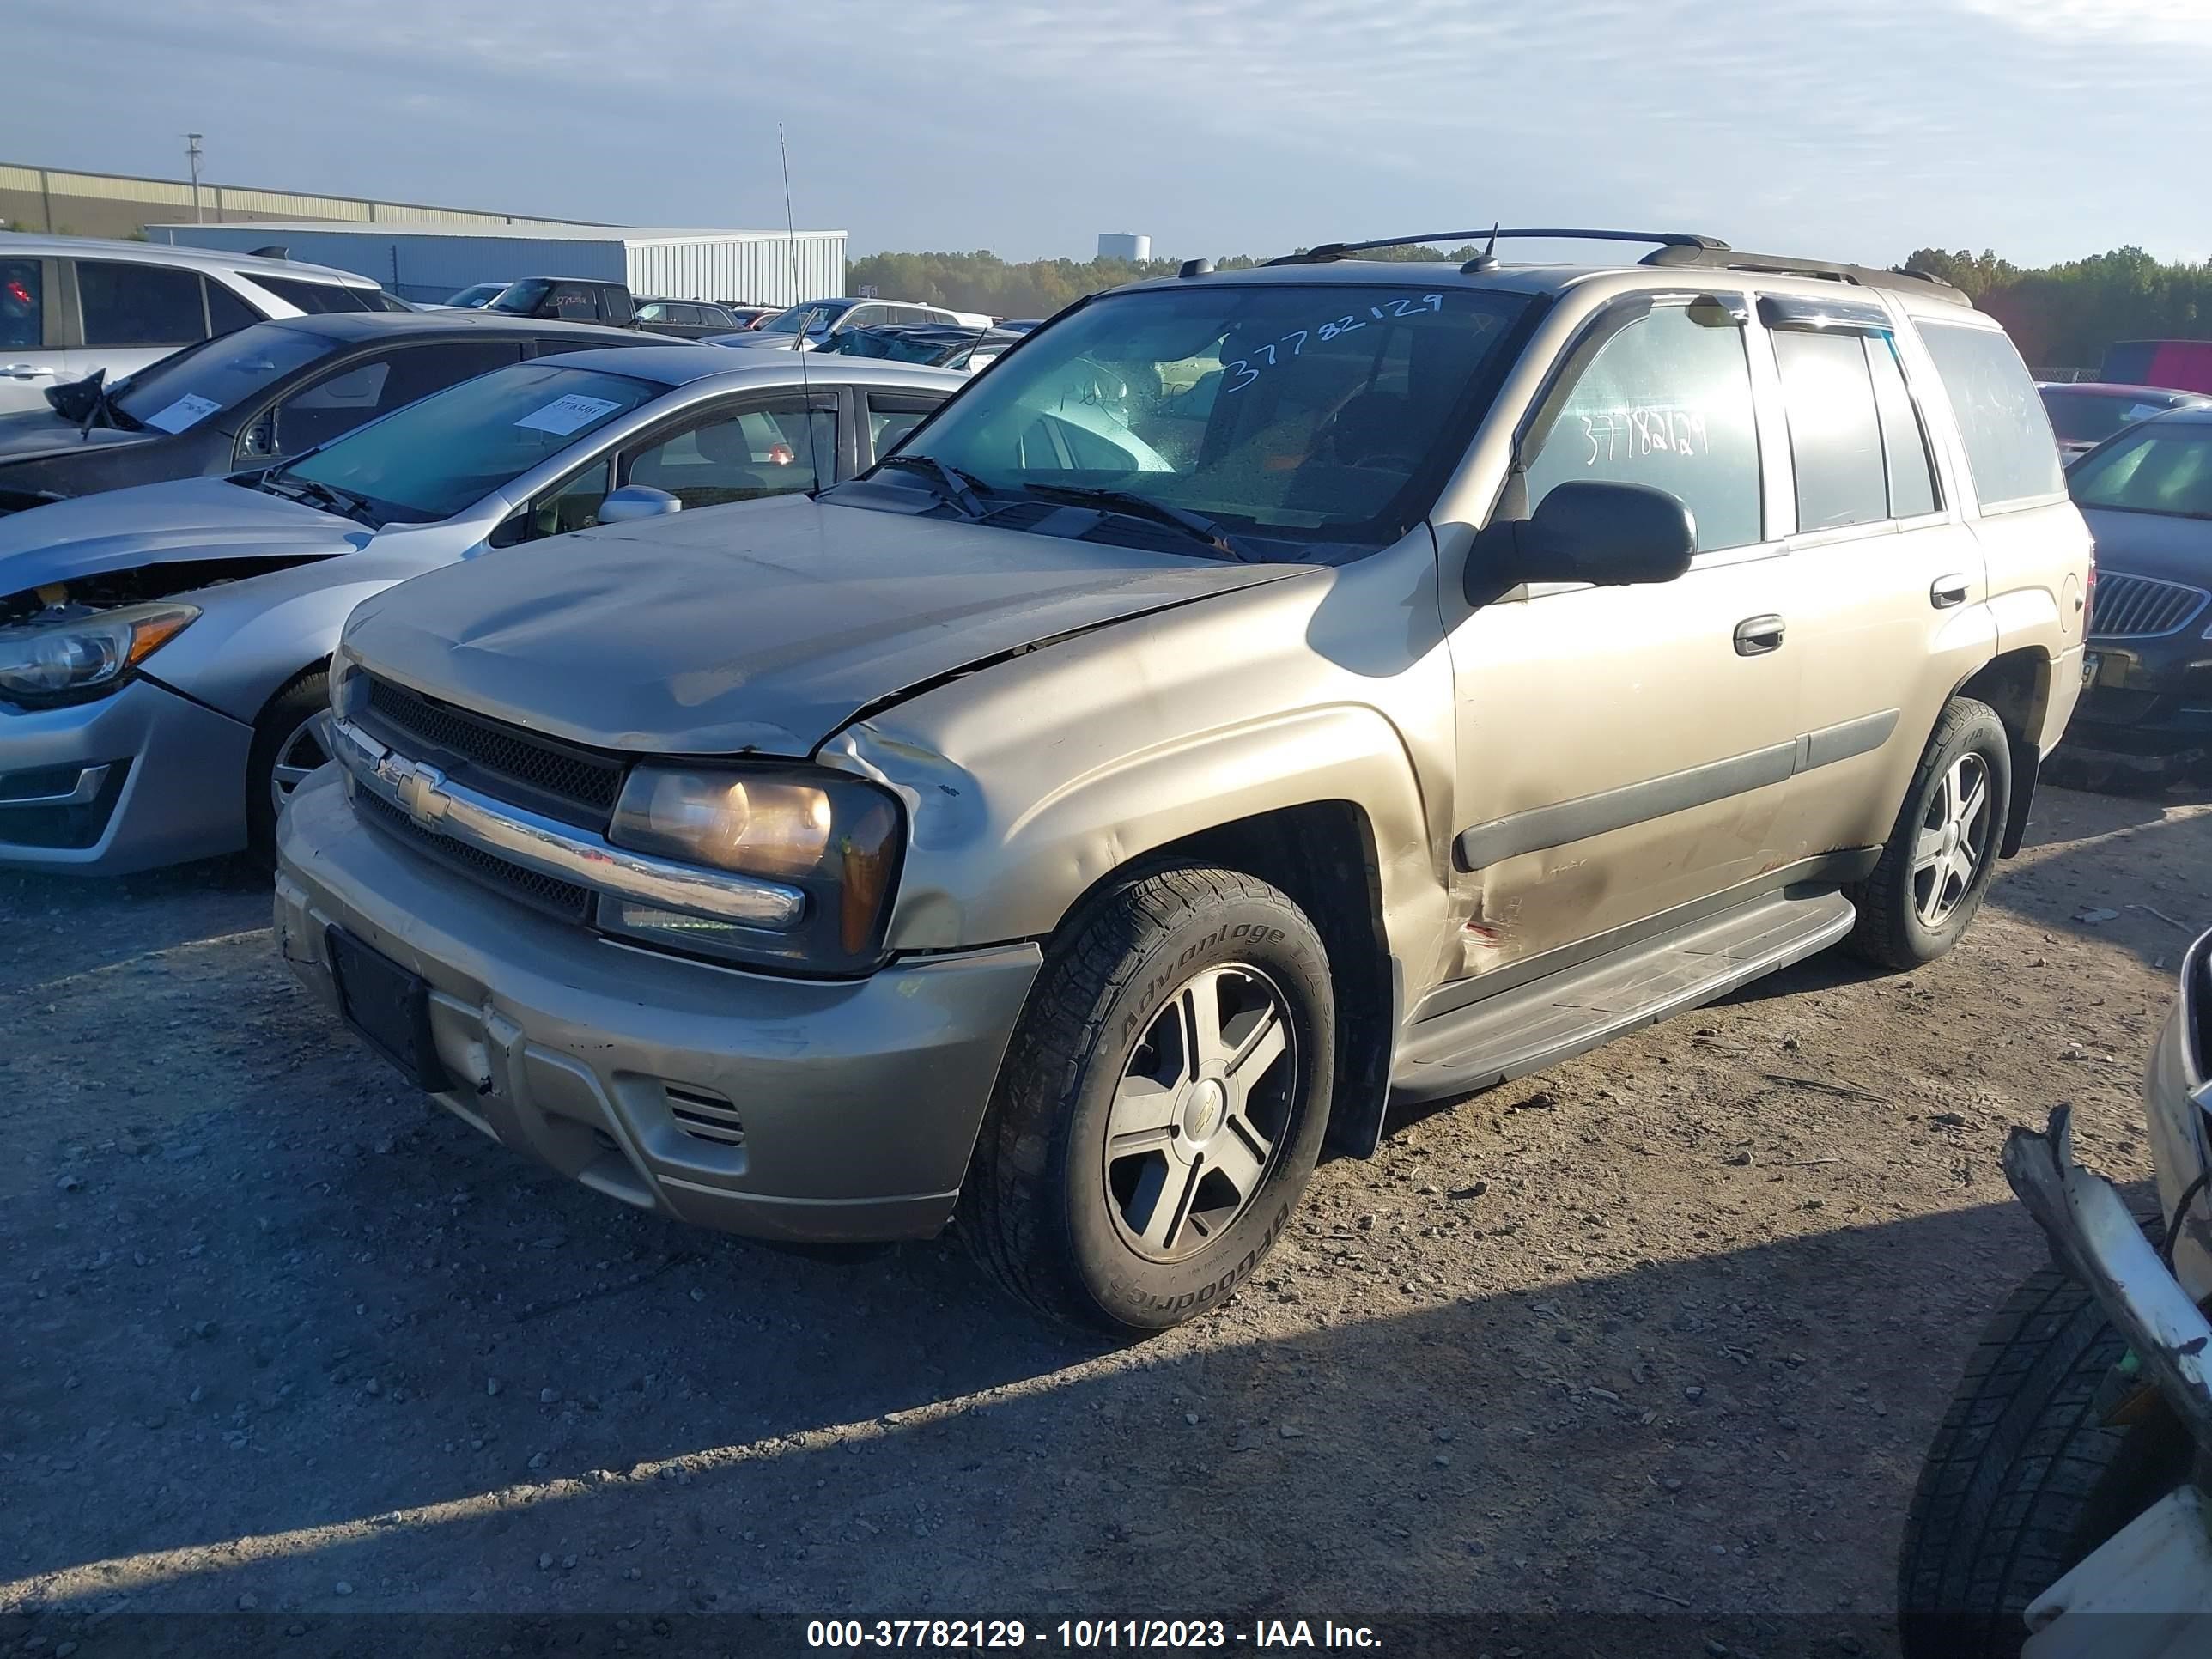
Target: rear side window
<point>1835,433</point>
<point>314,298</point>
<point>2009,449</point>
<point>22,308</point>
<point>134,305</point>
<point>1665,402</point>
<point>227,312</point>
<point>1854,436</point>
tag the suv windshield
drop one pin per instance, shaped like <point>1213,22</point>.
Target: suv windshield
<point>2164,468</point>
<point>1328,412</point>
<point>181,391</point>
<point>824,311</point>
<point>429,460</point>
<point>522,298</point>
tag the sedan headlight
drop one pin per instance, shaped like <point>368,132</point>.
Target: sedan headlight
<point>85,656</point>
<point>833,839</point>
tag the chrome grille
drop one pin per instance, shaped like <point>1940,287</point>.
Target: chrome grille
<point>549,894</point>
<point>2143,607</point>
<point>570,782</point>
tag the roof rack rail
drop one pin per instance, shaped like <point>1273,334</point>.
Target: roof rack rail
<point>1780,264</point>
<point>1326,252</point>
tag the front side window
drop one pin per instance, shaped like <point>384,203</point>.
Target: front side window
<point>2010,451</point>
<point>892,417</point>
<point>134,305</point>
<point>181,391</point>
<point>1666,402</point>
<point>1327,412</point>
<point>435,457</point>
<point>22,304</point>
<point>739,457</point>
<point>2165,468</point>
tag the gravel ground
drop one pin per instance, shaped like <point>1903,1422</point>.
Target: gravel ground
<point>1662,1332</point>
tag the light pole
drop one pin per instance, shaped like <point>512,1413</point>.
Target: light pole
<point>192,159</point>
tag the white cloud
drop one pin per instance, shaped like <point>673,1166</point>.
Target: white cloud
<point>2185,23</point>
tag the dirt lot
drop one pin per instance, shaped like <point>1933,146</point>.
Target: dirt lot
<point>1662,1332</point>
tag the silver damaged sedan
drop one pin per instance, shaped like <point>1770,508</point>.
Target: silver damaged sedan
<point>162,649</point>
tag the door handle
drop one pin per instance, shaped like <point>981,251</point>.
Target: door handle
<point>27,371</point>
<point>1948,591</point>
<point>1757,636</point>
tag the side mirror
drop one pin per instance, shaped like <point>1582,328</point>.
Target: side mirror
<point>635,501</point>
<point>1611,535</point>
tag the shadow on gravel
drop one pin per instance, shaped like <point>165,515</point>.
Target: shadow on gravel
<point>51,926</point>
<point>668,1422</point>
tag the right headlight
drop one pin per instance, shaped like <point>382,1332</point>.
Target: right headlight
<point>51,662</point>
<point>836,839</point>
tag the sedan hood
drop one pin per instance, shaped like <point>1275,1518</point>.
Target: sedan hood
<point>764,627</point>
<point>2152,545</point>
<point>163,523</point>
<point>36,433</point>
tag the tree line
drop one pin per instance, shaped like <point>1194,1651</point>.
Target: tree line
<point>2060,315</point>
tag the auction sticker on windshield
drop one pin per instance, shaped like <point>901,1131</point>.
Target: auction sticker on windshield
<point>187,411</point>
<point>566,415</point>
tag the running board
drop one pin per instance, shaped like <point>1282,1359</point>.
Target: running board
<point>1571,1012</point>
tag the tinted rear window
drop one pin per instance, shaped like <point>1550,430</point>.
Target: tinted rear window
<point>2010,450</point>
<point>314,298</point>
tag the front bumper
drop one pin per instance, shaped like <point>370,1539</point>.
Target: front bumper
<point>2149,705</point>
<point>854,1103</point>
<point>175,787</point>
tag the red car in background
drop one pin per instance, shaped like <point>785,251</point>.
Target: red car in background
<point>2186,364</point>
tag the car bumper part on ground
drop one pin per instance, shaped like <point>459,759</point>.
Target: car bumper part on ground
<point>173,787</point>
<point>832,1110</point>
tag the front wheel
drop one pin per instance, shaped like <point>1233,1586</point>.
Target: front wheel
<point>290,740</point>
<point>2027,1475</point>
<point>1162,1104</point>
<point>1940,856</point>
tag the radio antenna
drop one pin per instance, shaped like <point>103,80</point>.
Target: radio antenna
<point>799,340</point>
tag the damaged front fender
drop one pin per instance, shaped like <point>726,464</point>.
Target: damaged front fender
<point>2097,1239</point>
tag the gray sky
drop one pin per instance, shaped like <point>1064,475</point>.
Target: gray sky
<point>2046,129</point>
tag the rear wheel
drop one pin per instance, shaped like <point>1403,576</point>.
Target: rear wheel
<point>290,740</point>
<point>1162,1104</point>
<point>1943,852</point>
<point>2025,1479</point>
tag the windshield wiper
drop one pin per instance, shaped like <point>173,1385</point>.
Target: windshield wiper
<point>963,490</point>
<point>343,502</point>
<point>1131,506</point>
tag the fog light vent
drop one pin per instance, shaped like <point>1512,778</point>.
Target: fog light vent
<point>703,1114</point>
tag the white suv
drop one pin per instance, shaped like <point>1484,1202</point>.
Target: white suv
<point>70,305</point>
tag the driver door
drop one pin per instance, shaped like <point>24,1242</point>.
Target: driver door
<point>1624,751</point>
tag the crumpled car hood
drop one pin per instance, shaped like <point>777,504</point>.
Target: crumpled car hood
<point>161,524</point>
<point>764,627</point>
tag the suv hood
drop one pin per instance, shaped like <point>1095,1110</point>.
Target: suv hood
<point>163,523</point>
<point>762,627</point>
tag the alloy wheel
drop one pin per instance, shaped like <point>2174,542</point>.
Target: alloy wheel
<point>1954,840</point>
<point>1200,1111</point>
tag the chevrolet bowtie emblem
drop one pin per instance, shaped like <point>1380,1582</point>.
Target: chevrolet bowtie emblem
<point>422,792</point>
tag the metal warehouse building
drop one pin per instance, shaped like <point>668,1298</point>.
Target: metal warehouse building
<point>428,262</point>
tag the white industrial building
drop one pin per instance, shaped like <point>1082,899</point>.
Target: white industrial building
<point>1124,245</point>
<point>430,262</point>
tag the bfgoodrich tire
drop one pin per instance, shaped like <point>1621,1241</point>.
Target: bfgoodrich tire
<point>1162,1104</point>
<point>1943,852</point>
<point>2025,1479</point>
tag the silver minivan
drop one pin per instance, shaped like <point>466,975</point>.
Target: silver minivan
<point>70,305</point>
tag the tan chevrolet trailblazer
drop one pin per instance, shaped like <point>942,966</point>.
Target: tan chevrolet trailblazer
<point>1261,698</point>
